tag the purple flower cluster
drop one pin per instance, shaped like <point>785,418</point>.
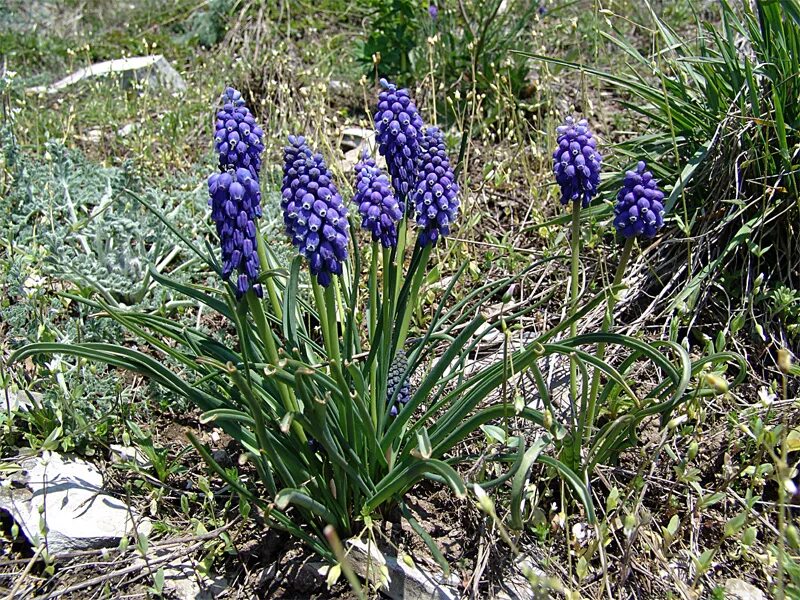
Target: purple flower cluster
<point>576,162</point>
<point>314,214</point>
<point>398,127</point>
<point>237,138</point>
<point>376,203</point>
<point>436,190</point>
<point>235,205</point>
<point>235,196</point>
<point>640,204</point>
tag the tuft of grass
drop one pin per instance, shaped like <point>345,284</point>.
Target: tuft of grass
<point>723,131</point>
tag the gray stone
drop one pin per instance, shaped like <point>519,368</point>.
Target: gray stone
<point>336,86</point>
<point>355,137</point>
<point>183,581</point>
<point>18,401</point>
<point>153,70</point>
<point>354,141</point>
<point>397,579</point>
<point>120,453</point>
<point>126,130</point>
<point>351,159</point>
<point>736,589</point>
<point>60,501</point>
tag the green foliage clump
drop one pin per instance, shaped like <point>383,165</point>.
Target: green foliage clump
<point>393,39</point>
<point>723,113</point>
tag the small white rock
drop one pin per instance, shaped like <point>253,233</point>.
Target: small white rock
<point>67,495</point>
<point>126,130</point>
<point>122,453</point>
<point>153,70</point>
<point>737,589</point>
<point>354,137</point>
<point>405,582</point>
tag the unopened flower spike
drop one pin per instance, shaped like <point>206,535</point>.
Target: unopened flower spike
<point>379,209</point>
<point>315,216</point>
<point>396,371</point>
<point>640,204</point>
<point>238,140</point>
<point>435,195</point>
<point>576,162</point>
<point>235,195</point>
<point>398,127</point>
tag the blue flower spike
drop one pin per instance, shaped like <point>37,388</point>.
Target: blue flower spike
<point>380,212</point>
<point>436,192</point>
<point>234,192</point>
<point>639,211</point>
<point>314,214</point>
<point>576,162</point>
<point>398,127</point>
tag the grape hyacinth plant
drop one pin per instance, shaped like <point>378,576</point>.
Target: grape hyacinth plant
<point>639,212</point>
<point>315,387</point>
<point>398,129</point>
<point>576,164</point>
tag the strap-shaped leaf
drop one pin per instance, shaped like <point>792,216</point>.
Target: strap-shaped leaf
<point>299,498</point>
<point>432,545</point>
<point>575,484</point>
<point>290,304</point>
<point>521,478</point>
<point>192,292</point>
<point>400,480</point>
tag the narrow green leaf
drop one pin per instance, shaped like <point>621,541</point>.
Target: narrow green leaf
<point>521,478</point>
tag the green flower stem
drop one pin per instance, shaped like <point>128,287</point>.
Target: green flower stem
<point>575,243</point>
<point>373,324</point>
<point>331,294</point>
<point>387,309</point>
<point>608,321</point>
<point>266,263</point>
<point>402,232</point>
<point>412,300</point>
<point>286,394</point>
<point>322,313</point>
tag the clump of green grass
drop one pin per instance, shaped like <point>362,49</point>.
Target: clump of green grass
<point>723,123</point>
